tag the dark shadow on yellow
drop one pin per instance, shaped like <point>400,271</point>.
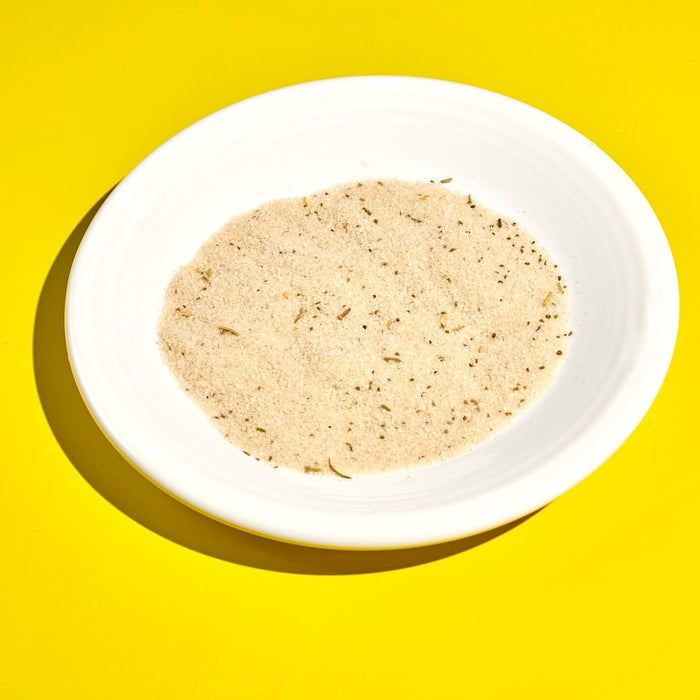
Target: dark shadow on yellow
<point>124,487</point>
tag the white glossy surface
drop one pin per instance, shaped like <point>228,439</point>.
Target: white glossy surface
<point>294,141</point>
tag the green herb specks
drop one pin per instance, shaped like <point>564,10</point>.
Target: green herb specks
<point>335,471</point>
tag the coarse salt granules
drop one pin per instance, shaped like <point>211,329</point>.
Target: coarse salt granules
<point>368,327</point>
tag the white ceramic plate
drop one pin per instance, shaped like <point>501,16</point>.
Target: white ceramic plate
<point>300,139</point>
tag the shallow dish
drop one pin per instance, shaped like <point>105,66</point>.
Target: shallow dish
<point>513,158</point>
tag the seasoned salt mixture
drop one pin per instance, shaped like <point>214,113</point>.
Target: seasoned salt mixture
<point>369,327</point>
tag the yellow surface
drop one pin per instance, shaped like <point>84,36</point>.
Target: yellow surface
<point>113,590</point>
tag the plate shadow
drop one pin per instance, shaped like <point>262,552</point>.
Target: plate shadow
<point>116,480</point>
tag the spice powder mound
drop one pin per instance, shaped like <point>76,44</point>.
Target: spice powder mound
<point>368,327</point>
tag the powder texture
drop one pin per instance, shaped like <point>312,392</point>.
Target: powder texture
<point>368,327</point>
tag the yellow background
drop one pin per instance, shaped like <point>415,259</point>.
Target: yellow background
<point>111,589</point>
